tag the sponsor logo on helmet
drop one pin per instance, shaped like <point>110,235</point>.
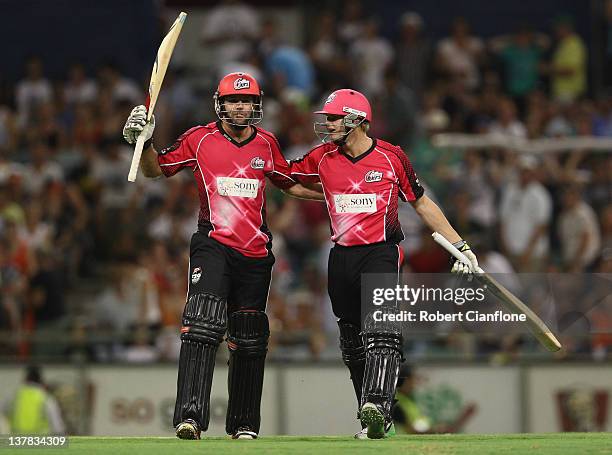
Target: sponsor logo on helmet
<point>257,163</point>
<point>241,83</point>
<point>330,98</point>
<point>350,110</point>
<point>373,176</point>
<point>196,275</point>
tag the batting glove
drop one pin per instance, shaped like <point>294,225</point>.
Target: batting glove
<point>460,267</point>
<point>137,124</point>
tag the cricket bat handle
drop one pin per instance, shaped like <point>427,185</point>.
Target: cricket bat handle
<point>136,157</point>
<point>452,249</point>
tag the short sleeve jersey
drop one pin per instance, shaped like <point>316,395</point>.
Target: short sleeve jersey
<point>231,182</point>
<point>361,193</point>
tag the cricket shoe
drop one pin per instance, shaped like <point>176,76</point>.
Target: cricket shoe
<point>188,430</point>
<point>362,434</point>
<point>244,433</point>
<point>389,431</point>
<point>374,422</point>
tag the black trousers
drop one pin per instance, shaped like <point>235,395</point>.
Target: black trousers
<point>347,264</point>
<point>218,269</point>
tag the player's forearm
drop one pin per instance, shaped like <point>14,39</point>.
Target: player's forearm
<point>301,192</point>
<point>435,220</point>
<point>149,164</point>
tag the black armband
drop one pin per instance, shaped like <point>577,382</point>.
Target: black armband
<point>462,245</point>
<point>459,244</point>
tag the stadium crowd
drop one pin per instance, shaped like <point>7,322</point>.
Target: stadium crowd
<point>94,267</point>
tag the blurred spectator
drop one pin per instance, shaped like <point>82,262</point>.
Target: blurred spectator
<point>327,54</point>
<point>370,54</point>
<point>41,170</point>
<point>78,88</point>
<point>521,56</point>
<point>525,213</point>
<point>31,92</point>
<point>599,189</point>
<point>33,410</point>
<point>109,173</point>
<point>459,55</point>
<point>578,232</point>
<point>507,122</point>
<point>228,30</point>
<point>351,24</point>
<point>288,67</point>
<point>140,350</point>
<point>568,67</point>
<point>396,112</point>
<point>413,53</point>
<point>117,87</point>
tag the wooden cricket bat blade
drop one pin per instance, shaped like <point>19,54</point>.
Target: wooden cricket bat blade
<point>537,327</point>
<point>162,60</point>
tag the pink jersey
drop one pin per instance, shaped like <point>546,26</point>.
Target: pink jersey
<point>231,182</point>
<point>361,193</point>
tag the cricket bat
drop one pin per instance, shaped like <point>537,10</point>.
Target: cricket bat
<point>164,53</point>
<point>543,334</point>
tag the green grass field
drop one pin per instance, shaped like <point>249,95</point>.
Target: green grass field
<point>535,444</point>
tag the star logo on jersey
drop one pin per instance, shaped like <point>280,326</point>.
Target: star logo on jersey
<point>373,176</point>
<point>257,163</point>
<point>330,98</point>
<point>241,83</point>
<point>196,274</point>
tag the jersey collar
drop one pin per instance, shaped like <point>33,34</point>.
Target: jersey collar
<point>360,157</point>
<point>232,140</point>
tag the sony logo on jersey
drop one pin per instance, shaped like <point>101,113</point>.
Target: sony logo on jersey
<point>241,83</point>
<point>355,203</point>
<point>233,186</point>
<point>257,163</point>
<point>373,176</point>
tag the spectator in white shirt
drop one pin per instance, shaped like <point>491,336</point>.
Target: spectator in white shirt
<point>32,91</point>
<point>370,54</point>
<point>78,88</point>
<point>229,29</point>
<point>525,214</point>
<point>579,233</point>
<point>459,54</point>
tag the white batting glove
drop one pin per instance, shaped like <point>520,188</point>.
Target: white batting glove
<point>137,123</point>
<point>460,267</point>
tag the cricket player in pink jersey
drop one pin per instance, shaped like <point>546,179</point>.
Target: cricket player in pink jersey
<point>230,254</point>
<point>363,179</point>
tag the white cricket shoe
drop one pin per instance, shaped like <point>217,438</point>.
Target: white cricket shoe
<point>362,434</point>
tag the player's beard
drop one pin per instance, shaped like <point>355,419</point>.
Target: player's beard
<point>240,124</point>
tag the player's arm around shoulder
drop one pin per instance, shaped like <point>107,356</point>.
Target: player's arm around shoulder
<point>305,171</point>
<point>310,191</point>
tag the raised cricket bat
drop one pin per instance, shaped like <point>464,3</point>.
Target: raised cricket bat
<point>164,53</point>
<point>543,334</point>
